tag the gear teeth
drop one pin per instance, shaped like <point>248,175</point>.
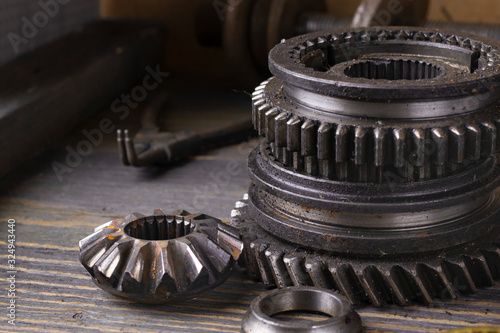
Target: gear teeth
<point>472,142</point>
<point>92,248</point>
<point>419,147</point>
<point>270,124</point>
<point>379,283</point>
<point>257,102</point>
<point>258,249</point>
<point>410,285</point>
<point>213,257</point>
<point>397,294</point>
<point>109,267</point>
<point>379,135</point>
<point>293,134</point>
<point>440,153</point>
<point>133,257</point>
<point>324,141</point>
<point>281,277</point>
<point>308,138</point>
<point>419,154</point>
<point>348,283</point>
<point>435,281</point>
<point>133,273</point>
<point>399,147</point>
<point>308,147</point>
<point>341,151</point>
<point>280,129</point>
<point>293,139</point>
<point>452,40</point>
<point>296,269</point>
<point>402,35</point>
<point>419,36</point>
<point>280,135</point>
<point>360,145</point>
<point>360,152</point>
<point>457,273</point>
<point>492,257</point>
<point>370,286</point>
<point>488,138</point>
<point>319,274</point>
<point>326,149</point>
<point>457,144</point>
<point>261,115</point>
<point>478,270</point>
<point>341,146</point>
<point>162,229</point>
<point>171,224</point>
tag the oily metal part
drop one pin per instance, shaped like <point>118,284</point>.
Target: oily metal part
<point>163,258</point>
<point>392,220</point>
<point>438,94</point>
<point>357,186</point>
<point>259,317</point>
<point>378,280</point>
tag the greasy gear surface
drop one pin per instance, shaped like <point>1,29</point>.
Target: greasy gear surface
<point>380,281</point>
<point>413,150</point>
<point>162,258</point>
<point>322,114</point>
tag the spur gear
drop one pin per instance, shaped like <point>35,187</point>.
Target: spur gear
<point>378,175</point>
<point>328,113</point>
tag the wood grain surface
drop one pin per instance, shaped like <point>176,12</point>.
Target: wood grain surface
<point>54,291</point>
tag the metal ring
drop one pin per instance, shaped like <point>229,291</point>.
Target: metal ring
<point>259,317</point>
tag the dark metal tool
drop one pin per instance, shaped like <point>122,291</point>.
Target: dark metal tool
<point>153,146</point>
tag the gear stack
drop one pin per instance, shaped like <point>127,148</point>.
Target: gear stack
<point>378,173</point>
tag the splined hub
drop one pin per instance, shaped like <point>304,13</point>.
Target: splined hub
<point>378,174</point>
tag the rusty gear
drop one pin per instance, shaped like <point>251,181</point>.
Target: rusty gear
<point>379,172</point>
<point>163,258</point>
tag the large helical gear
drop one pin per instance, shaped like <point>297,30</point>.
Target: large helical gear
<point>379,280</point>
<point>378,175</point>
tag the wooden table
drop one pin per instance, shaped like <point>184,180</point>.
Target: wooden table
<point>54,293</point>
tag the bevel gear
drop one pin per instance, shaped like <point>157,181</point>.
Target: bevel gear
<point>162,258</point>
<point>379,172</point>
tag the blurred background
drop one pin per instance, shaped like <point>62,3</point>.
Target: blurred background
<point>215,53</point>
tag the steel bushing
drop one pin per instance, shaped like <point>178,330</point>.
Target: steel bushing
<point>378,172</point>
<point>162,258</point>
<point>343,319</point>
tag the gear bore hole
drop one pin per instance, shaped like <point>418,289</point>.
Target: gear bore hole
<point>402,69</point>
<point>163,227</point>
<point>301,316</point>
